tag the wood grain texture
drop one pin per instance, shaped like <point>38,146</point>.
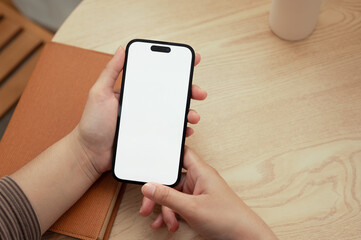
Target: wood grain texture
<point>8,30</point>
<point>11,91</point>
<point>16,52</point>
<point>282,122</point>
<point>13,15</point>
<point>20,39</point>
<point>9,3</point>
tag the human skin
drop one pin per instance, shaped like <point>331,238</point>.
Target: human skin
<point>60,175</point>
<point>206,202</point>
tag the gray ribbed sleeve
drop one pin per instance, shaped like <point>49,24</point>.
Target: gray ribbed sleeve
<point>17,217</point>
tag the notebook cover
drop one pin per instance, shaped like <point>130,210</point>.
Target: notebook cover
<point>50,107</point>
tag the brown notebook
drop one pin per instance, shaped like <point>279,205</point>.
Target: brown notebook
<point>50,107</point>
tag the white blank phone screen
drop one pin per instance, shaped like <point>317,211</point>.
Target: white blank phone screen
<point>153,113</point>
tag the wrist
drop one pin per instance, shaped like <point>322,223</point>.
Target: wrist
<point>85,158</point>
<point>251,226</point>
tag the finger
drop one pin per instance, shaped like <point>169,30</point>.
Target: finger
<point>117,94</point>
<point>193,117</point>
<point>147,207</point>
<point>158,222</point>
<point>197,59</point>
<point>189,132</point>
<point>181,183</point>
<point>112,70</point>
<point>170,219</point>
<point>191,159</point>
<point>166,196</point>
<point>198,93</point>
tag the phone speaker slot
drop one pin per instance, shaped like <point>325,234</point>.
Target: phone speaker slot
<point>156,48</point>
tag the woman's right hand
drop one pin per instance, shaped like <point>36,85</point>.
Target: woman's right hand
<point>205,201</point>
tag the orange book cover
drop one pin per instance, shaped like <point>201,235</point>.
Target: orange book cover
<point>50,107</point>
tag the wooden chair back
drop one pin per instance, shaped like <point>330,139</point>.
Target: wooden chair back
<point>20,43</point>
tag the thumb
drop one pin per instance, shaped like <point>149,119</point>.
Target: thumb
<point>166,196</point>
<point>112,70</point>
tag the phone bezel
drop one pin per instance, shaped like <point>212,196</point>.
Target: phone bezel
<point>189,94</point>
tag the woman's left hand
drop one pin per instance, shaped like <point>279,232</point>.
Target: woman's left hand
<point>96,129</point>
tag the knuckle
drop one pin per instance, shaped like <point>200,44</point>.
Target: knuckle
<point>95,93</point>
<point>109,69</point>
<point>213,171</point>
<point>164,195</point>
<point>192,207</point>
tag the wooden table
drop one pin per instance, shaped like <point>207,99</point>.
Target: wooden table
<point>282,122</point>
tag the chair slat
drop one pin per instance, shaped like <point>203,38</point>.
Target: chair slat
<point>12,89</point>
<point>8,30</point>
<point>25,23</point>
<point>13,55</point>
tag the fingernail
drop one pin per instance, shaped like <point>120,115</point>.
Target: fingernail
<point>148,189</point>
<point>169,226</point>
<point>118,50</point>
<point>205,93</point>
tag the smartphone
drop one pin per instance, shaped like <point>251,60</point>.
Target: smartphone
<point>153,108</point>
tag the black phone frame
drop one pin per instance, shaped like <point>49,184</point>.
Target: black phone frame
<point>189,94</point>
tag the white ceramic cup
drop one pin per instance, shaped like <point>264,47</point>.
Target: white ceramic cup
<point>294,19</point>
